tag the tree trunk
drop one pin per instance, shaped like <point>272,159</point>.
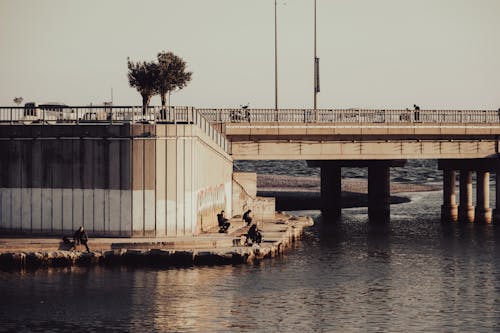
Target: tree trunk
<point>163,100</point>
<point>145,103</point>
<point>163,112</point>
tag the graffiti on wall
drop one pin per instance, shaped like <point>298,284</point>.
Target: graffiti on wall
<point>210,201</point>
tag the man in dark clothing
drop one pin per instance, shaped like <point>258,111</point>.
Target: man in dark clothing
<point>223,222</point>
<point>80,237</point>
<point>254,235</point>
<point>247,218</point>
<point>417,112</point>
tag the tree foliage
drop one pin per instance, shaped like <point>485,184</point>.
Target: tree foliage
<point>161,77</point>
<point>171,75</point>
<point>142,76</point>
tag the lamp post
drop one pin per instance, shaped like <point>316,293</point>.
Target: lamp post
<point>275,56</point>
<point>316,63</point>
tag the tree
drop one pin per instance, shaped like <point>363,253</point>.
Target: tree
<point>18,100</point>
<point>143,77</point>
<point>171,75</point>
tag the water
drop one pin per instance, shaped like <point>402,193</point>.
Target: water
<point>415,171</point>
<point>414,274</point>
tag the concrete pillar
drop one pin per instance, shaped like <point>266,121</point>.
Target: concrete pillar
<point>496,211</point>
<point>449,208</point>
<point>331,189</point>
<point>483,210</point>
<point>378,193</point>
<point>465,209</point>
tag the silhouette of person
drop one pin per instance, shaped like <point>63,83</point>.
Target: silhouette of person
<point>417,112</point>
<point>80,237</point>
<point>223,222</point>
<point>247,218</point>
<point>254,235</point>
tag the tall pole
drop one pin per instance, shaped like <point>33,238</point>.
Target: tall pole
<point>316,64</point>
<point>275,57</point>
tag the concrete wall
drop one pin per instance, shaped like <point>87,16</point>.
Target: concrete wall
<point>245,197</point>
<point>193,181</point>
<point>114,180</point>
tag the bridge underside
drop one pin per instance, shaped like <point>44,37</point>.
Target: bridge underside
<point>361,141</point>
<point>364,150</point>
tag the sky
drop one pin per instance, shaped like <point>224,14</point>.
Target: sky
<point>440,54</point>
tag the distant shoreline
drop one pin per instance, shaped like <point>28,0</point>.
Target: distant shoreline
<point>295,193</point>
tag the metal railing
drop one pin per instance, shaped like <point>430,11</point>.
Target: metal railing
<point>81,115</point>
<point>351,116</point>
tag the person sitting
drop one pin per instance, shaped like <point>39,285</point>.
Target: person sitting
<point>254,235</point>
<point>247,218</point>
<point>80,237</point>
<point>223,222</point>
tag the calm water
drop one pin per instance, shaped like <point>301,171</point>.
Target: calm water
<point>414,274</point>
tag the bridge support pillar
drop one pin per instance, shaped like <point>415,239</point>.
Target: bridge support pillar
<point>331,189</point>
<point>449,208</point>
<point>496,211</point>
<point>466,209</point>
<point>379,193</point>
<point>482,213</point>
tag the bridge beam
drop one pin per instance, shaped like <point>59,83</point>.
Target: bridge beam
<point>449,208</point>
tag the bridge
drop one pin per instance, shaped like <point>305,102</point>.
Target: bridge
<point>463,141</point>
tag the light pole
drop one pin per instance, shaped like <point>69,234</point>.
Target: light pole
<point>316,64</point>
<point>275,56</point>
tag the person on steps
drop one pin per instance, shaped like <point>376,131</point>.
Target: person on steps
<point>247,218</point>
<point>223,222</point>
<point>254,235</point>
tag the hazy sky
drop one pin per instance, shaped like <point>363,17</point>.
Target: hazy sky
<point>374,53</point>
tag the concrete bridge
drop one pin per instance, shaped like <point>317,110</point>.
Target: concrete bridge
<point>462,140</point>
<point>136,169</point>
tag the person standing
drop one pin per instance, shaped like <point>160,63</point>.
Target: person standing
<point>247,218</point>
<point>417,112</point>
<point>80,237</point>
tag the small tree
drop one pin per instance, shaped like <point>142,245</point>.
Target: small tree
<point>18,100</point>
<point>171,75</point>
<point>142,76</point>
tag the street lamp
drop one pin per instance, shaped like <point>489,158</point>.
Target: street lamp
<point>275,56</point>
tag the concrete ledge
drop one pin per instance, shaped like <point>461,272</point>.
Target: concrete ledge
<point>208,249</point>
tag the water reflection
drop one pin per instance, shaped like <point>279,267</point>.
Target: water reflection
<point>412,274</point>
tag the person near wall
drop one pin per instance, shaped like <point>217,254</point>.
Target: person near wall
<point>254,235</point>
<point>223,222</point>
<point>80,237</point>
<point>247,218</point>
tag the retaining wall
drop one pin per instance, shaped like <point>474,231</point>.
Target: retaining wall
<point>114,180</point>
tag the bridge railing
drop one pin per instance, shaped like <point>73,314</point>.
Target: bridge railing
<point>350,116</point>
<point>81,115</point>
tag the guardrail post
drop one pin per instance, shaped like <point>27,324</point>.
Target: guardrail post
<point>11,118</point>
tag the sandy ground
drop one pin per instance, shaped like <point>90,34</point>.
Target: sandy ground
<point>312,184</point>
<point>295,193</point>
